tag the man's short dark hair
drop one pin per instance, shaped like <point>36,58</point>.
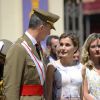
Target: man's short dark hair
<point>48,41</point>
<point>35,21</point>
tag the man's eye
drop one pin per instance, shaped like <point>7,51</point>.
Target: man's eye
<point>55,46</point>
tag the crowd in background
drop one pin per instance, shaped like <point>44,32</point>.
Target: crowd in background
<point>72,71</point>
<point>71,68</point>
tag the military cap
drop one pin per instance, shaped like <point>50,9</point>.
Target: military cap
<point>46,16</point>
<point>4,46</point>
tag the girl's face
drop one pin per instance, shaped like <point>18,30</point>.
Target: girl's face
<point>94,49</point>
<point>67,48</point>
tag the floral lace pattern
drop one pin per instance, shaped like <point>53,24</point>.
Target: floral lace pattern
<point>93,83</point>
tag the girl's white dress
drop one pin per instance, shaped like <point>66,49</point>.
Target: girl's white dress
<point>67,82</point>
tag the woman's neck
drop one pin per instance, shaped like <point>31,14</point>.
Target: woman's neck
<point>67,62</point>
<point>96,61</point>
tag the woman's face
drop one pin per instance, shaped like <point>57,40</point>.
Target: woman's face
<point>94,49</point>
<point>67,48</point>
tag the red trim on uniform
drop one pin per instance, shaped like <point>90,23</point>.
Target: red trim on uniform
<point>35,60</point>
<point>32,90</point>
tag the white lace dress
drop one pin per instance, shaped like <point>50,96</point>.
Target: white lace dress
<point>93,79</point>
<point>68,81</point>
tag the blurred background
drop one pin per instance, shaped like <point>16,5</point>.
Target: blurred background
<point>78,16</point>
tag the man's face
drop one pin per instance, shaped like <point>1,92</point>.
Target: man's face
<point>77,55</point>
<point>44,31</point>
<point>54,44</point>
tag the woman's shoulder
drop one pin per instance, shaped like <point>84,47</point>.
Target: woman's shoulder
<point>85,71</point>
<point>85,68</point>
<point>52,66</point>
<point>53,63</point>
<point>79,66</point>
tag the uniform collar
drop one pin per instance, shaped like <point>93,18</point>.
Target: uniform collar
<point>31,38</point>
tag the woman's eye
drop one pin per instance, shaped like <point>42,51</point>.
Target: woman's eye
<point>98,46</point>
<point>92,46</point>
<point>61,44</point>
<point>67,44</point>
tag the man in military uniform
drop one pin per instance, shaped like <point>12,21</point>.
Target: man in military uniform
<point>4,46</point>
<point>24,72</point>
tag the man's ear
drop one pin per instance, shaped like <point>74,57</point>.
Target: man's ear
<point>49,47</point>
<point>41,27</point>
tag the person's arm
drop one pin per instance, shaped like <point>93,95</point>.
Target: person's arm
<point>13,70</point>
<point>49,81</point>
<point>87,96</point>
<point>81,93</point>
<point>83,76</point>
<point>85,92</point>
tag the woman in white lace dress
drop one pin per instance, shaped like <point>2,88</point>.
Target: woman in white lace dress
<point>64,79</point>
<point>91,68</point>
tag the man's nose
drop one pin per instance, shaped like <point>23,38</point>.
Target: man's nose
<point>49,32</point>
